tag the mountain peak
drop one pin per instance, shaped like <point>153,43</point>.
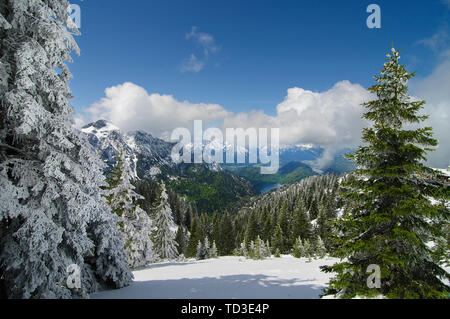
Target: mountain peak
<point>99,126</point>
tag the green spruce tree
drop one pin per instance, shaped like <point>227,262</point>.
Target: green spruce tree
<point>390,217</point>
<point>297,250</point>
<point>277,239</point>
<point>194,238</point>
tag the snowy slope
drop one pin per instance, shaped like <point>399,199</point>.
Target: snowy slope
<point>227,278</point>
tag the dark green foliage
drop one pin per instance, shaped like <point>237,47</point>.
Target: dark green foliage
<point>389,217</point>
<point>252,230</point>
<point>277,241</point>
<point>267,228</point>
<point>181,239</point>
<point>226,242</point>
<point>301,225</point>
<point>195,237</point>
<point>287,208</point>
<point>211,190</point>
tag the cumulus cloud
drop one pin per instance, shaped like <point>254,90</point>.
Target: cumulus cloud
<point>330,118</point>
<point>434,89</point>
<point>131,107</point>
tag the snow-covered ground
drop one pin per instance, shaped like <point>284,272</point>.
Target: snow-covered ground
<point>227,278</point>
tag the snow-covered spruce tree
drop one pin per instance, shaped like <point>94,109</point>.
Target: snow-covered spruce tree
<point>52,213</point>
<point>297,250</point>
<point>277,253</point>
<point>164,231</point>
<point>251,250</point>
<point>259,249</point>
<point>319,249</point>
<point>213,250</point>
<point>200,251</point>
<point>243,251</point>
<point>268,252</point>
<point>308,250</point>
<point>134,222</point>
<point>206,248</point>
<point>390,218</point>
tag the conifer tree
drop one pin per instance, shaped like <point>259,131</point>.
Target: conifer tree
<point>283,221</point>
<point>181,239</point>
<point>267,228</point>
<point>277,253</point>
<point>52,214</point>
<point>243,251</point>
<point>252,230</point>
<point>227,237</point>
<point>194,238</point>
<point>251,250</point>
<point>298,250</point>
<point>302,224</point>
<point>134,222</point>
<point>213,250</point>
<point>164,233</point>
<point>320,250</point>
<point>390,217</point>
<point>277,239</point>
<point>200,251</point>
<point>268,249</point>
<point>259,249</point>
<point>308,250</point>
<point>206,248</point>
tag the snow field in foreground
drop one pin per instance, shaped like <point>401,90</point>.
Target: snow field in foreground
<point>227,278</point>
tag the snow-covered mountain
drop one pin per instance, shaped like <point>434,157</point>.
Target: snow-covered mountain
<point>146,155</point>
<point>150,158</point>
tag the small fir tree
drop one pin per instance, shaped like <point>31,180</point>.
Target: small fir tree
<point>297,250</point>
<point>213,250</point>
<point>164,232</point>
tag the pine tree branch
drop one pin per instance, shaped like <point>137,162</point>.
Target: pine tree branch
<point>14,149</point>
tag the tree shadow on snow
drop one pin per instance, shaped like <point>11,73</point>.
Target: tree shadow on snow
<point>225,287</point>
<point>165,264</point>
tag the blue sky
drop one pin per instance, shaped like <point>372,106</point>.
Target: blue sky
<point>246,54</point>
<point>265,47</point>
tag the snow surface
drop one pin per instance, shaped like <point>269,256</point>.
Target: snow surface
<point>443,171</point>
<point>227,278</point>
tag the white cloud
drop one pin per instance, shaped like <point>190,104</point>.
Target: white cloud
<point>330,118</point>
<point>208,45</point>
<point>321,118</point>
<point>437,41</point>
<point>435,90</point>
<point>130,107</point>
<point>192,64</point>
<point>206,40</point>
<point>447,3</point>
